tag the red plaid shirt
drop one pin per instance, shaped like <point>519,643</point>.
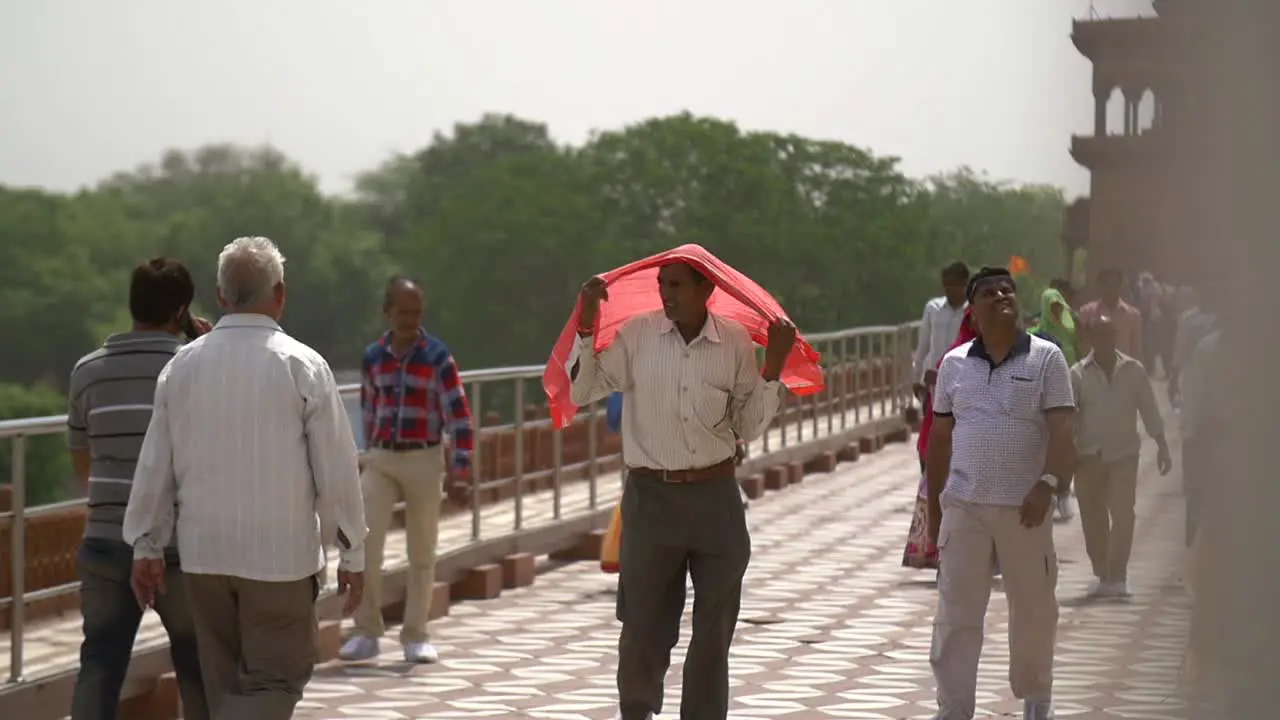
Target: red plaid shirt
<point>417,398</point>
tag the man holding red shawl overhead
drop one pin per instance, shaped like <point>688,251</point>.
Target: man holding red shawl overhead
<point>683,357</point>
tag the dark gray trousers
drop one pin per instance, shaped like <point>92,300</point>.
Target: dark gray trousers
<point>670,529</point>
<point>111,619</point>
<point>257,643</point>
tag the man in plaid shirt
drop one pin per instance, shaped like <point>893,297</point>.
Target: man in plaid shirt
<point>411,396</point>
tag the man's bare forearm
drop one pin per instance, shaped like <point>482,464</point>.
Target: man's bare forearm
<point>1061,460</point>
<point>937,467</point>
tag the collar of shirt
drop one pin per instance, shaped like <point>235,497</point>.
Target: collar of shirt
<point>138,337</point>
<point>251,320</point>
<point>385,341</point>
<point>710,329</point>
<point>1021,346</point>
<point>1090,361</point>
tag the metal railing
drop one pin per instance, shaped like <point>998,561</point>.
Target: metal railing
<point>841,350</point>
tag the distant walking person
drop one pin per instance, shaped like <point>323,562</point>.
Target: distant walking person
<point>939,325</point>
<point>1000,444</point>
<point>920,552</point>
<point>1203,417</point>
<point>1125,317</point>
<point>1057,324</point>
<point>1195,324</point>
<point>690,381</point>
<point>111,391</point>
<point>249,437</point>
<point>1112,390</point>
<point>411,395</point>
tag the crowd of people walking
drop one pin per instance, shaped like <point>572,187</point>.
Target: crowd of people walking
<point>219,469</point>
<point>1015,409</point>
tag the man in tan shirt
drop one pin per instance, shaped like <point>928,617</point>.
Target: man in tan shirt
<point>1111,390</point>
<point>690,381</point>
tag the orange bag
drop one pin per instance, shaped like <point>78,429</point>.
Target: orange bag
<point>611,549</point>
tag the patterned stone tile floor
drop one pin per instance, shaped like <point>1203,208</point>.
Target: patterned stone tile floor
<point>831,627</point>
<point>53,645</point>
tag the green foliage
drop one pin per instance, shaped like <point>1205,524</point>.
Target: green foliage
<point>502,225</point>
<point>48,466</point>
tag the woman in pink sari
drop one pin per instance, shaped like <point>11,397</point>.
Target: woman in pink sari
<point>920,553</point>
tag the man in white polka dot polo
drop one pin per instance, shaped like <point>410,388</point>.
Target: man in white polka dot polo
<point>1001,443</point>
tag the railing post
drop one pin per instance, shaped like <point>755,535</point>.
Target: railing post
<point>815,406</point>
<point>894,367</point>
<point>519,450</point>
<point>857,379</point>
<point>844,382</point>
<point>882,374</point>
<point>18,563</point>
<point>799,419</point>
<point>593,452</point>
<point>832,388</point>
<point>477,412</point>
<point>904,368</point>
<point>557,459</point>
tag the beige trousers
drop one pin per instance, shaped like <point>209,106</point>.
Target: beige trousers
<point>972,538</point>
<point>417,477</point>
<point>1107,493</point>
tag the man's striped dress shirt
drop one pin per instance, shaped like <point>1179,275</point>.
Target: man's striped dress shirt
<point>685,405</point>
<point>250,437</point>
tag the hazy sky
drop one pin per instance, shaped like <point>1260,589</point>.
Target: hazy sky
<point>88,87</point>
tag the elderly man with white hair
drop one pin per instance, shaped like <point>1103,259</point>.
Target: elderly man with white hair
<point>249,436</point>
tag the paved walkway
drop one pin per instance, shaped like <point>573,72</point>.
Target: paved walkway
<point>832,626</point>
<point>52,645</point>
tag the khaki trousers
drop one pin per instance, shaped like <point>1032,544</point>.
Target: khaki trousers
<point>1107,493</point>
<point>417,477</point>
<point>257,643</point>
<point>972,538</point>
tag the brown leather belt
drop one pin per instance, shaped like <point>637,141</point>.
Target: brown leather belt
<point>722,469</point>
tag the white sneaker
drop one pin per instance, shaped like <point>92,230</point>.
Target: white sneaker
<point>1065,511</point>
<point>1098,589</point>
<point>359,647</point>
<point>1119,589</point>
<point>420,652</point>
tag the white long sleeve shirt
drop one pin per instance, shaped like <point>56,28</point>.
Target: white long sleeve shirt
<point>1199,401</point>
<point>682,402</point>
<point>939,326</point>
<point>249,435</point>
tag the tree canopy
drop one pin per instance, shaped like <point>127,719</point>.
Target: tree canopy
<point>501,224</point>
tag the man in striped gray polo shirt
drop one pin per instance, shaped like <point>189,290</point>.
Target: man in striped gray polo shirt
<point>110,407</point>
<point>1001,444</point>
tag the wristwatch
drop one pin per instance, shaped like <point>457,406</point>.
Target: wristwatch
<point>1051,480</point>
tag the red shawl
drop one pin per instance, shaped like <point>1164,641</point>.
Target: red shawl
<point>633,290</point>
<point>966,334</point>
